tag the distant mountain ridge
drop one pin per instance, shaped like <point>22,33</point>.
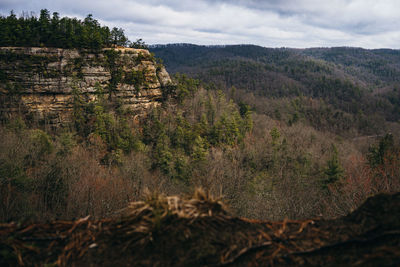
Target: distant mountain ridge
<point>369,59</point>
<point>353,80</point>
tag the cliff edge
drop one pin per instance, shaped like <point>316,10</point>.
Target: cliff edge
<point>42,82</point>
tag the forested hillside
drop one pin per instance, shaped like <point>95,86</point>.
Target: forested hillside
<point>377,68</point>
<point>275,132</point>
<point>330,113</point>
<point>107,153</point>
<point>342,90</point>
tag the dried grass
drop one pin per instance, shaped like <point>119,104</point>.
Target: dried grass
<point>198,231</point>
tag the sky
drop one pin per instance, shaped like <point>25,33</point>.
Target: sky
<point>269,23</point>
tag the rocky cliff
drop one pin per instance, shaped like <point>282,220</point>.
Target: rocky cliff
<point>42,82</point>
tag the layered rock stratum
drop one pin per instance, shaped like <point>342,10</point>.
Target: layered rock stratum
<point>42,82</point>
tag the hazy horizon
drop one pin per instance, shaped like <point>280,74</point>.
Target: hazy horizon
<point>285,47</point>
<point>269,23</point>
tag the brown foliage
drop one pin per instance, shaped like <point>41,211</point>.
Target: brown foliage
<point>198,231</point>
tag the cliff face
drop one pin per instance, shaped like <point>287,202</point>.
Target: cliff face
<point>42,82</point>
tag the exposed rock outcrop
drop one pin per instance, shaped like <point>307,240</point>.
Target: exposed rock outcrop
<point>43,81</point>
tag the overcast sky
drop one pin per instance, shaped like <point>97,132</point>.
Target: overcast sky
<point>270,23</point>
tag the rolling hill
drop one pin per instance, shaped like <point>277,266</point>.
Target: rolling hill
<point>361,85</point>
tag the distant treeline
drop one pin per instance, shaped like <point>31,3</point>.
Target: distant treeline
<point>53,31</point>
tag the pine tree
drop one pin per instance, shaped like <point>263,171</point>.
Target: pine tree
<point>333,171</point>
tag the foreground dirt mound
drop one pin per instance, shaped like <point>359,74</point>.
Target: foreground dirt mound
<point>169,231</point>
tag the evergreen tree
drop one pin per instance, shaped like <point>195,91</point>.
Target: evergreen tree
<point>51,31</point>
<point>377,153</point>
<point>333,171</point>
<point>118,37</point>
<point>45,30</point>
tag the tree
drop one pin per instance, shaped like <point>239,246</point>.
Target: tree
<point>333,171</point>
<point>200,150</point>
<point>139,44</point>
<point>377,153</point>
<point>118,37</point>
<point>55,29</point>
<point>44,24</point>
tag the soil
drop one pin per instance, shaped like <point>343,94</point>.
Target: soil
<point>170,231</point>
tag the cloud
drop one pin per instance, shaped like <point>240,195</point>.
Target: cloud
<point>275,23</point>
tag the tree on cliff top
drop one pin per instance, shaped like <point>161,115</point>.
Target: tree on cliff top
<point>51,31</point>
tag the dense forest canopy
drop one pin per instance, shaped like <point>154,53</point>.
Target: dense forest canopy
<point>264,167</point>
<point>53,31</point>
<point>338,89</point>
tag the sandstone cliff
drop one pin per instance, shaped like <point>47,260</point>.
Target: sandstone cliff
<point>42,82</point>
